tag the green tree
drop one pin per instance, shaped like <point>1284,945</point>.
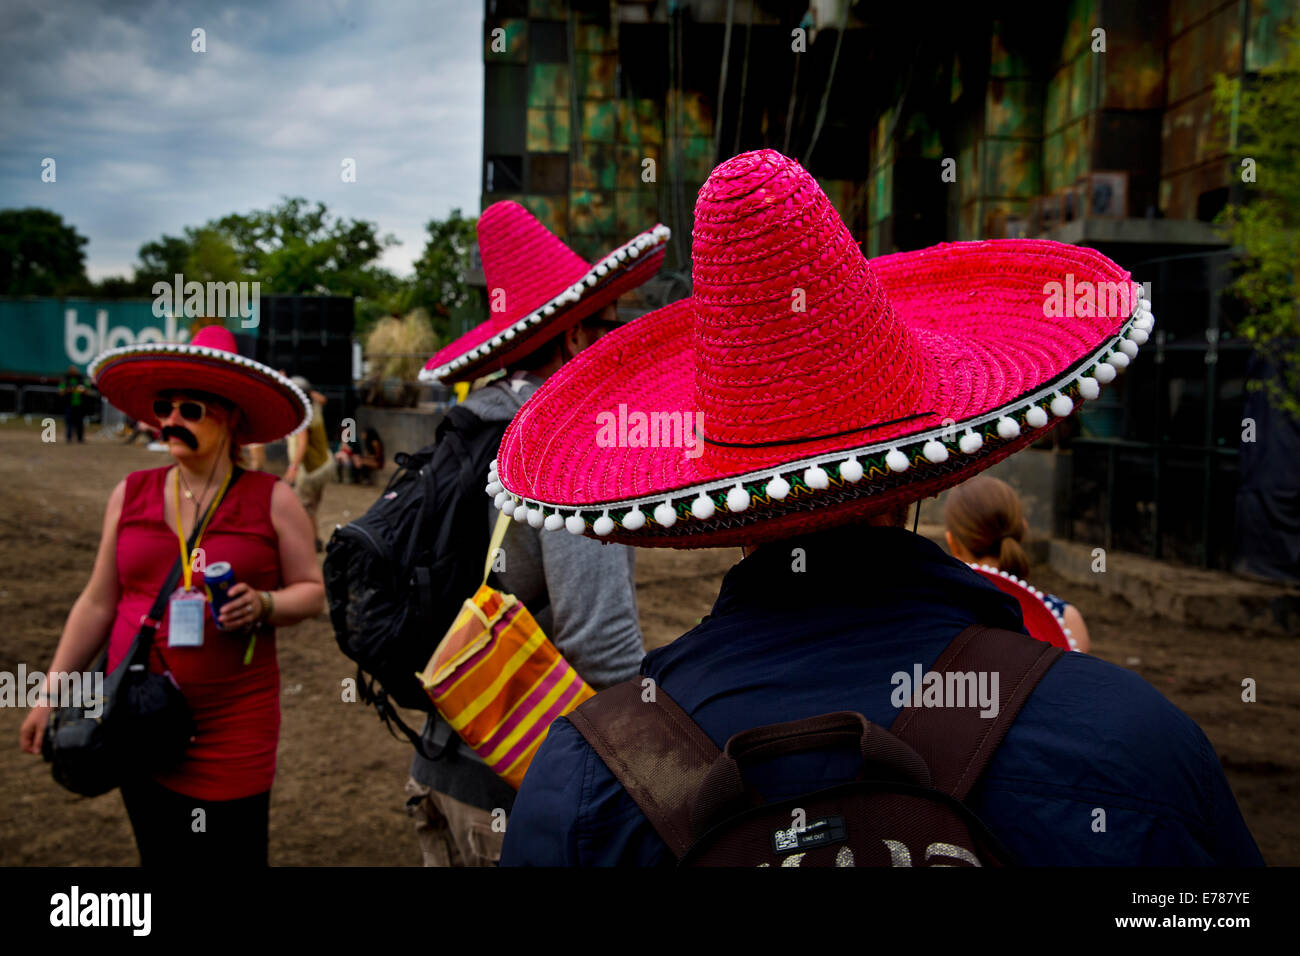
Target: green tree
<point>40,254</point>
<point>439,285</point>
<point>161,260</point>
<point>1264,136</point>
<point>211,257</point>
<point>299,248</point>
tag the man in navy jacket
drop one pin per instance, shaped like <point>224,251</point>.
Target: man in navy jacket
<point>874,600</point>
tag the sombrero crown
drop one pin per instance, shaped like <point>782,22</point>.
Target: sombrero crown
<point>538,287</point>
<point>828,387</point>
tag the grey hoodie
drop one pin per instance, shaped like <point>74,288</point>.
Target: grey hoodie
<point>582,593</point>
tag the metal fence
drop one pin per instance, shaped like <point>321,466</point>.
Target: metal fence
<point>1156,467</point>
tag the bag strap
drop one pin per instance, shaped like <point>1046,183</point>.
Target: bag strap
<point>956,743</point>
<point>498,535</point>
<point>656,751</point>
<point>662,757</point>
<point>150,622</point>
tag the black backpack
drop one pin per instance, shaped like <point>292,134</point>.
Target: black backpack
<point>906,807</point>
<point>397,576</point>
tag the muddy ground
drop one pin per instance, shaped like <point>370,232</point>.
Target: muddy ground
<point>338,792</point>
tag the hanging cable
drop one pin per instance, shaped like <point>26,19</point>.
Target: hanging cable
<point>722,80</point>
<point>826,93</point>
<point>744,81</point>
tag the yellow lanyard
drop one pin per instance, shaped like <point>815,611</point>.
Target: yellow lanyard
<point>187,560</point>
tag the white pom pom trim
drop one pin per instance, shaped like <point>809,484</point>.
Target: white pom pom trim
<point>777,488</point>
<point>737,499</point>
<point>1062,406</point>
<point>816,477</point>
<point>935,452</point>
<point>603,525</point>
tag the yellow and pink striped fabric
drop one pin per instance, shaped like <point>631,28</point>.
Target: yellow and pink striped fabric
<point>500,682</point>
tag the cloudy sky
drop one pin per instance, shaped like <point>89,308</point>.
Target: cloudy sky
<point>150,137</point>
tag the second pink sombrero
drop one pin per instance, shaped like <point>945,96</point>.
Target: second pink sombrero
<point>801,386</point>
<point>537,287</point>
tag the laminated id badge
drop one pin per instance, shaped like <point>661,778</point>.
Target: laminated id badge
<point>185,618</point>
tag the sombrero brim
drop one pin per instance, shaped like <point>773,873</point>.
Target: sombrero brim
<point>494,345</point>
<point>131,378</point>
<point>1001,377</point>
<point>1041,621</point>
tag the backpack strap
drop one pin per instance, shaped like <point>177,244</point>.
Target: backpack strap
<point>662,757</point>
<point>956,742</point>
<point>654,749</point>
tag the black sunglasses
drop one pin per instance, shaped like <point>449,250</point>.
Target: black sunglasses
<point>191,411</point>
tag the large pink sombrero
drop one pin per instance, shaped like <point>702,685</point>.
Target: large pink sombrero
<point>538,287</point>
<point>132,376</point>
<point>829,388</point>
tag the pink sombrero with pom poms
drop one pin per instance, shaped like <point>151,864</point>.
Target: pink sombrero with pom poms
<point>538,287</point>
<point>132,376</point>
<point>1042,621</point>
<point>827,388</point>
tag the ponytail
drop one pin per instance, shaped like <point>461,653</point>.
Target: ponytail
<point>1013,559</point>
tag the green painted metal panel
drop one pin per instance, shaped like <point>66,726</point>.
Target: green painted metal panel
<point>640,121</point>
<point>45,336</point>
<point>591,213</point>
<point>515,41</point>
<point>630,168</point>
<point>1081,84</point>
<point>595,75</point>
<point>548,85</point>
<point>553,211</point>
<point>594,38</point>
<point>548,9</point>
<point>595,169</point>
<point>1263,41</point>
<point>1013,108</point>
<point>548,130</point>
<point>599,120</point>
<point>636,211</point>
<point>1056,98</point>
<point>1011,168</point>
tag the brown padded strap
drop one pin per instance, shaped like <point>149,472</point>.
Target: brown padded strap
<point>662,757</point>
<point>956,742</point>
<point>658,754</point>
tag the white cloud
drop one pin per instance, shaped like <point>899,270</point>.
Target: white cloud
<point>151,137</point>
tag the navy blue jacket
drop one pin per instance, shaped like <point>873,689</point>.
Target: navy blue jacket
<point>782,644</point>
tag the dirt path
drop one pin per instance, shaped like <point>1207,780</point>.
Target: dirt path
<point>338,792</point>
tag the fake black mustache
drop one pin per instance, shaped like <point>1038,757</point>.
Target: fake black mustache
<point>184,434</point>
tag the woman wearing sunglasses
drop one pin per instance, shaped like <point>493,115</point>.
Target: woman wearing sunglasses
<point>208,401</point>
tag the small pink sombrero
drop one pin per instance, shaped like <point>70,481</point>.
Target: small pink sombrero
<point>801,386</point>
<point>538,287</point>
<point>132,376</point>
<point>1041,619</point>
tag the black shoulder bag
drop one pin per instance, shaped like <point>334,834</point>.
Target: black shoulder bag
<point>144,723</point>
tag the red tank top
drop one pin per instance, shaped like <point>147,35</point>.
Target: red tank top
<point>236,707</point>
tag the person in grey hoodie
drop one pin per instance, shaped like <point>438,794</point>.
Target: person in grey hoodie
<point>583,595</point>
